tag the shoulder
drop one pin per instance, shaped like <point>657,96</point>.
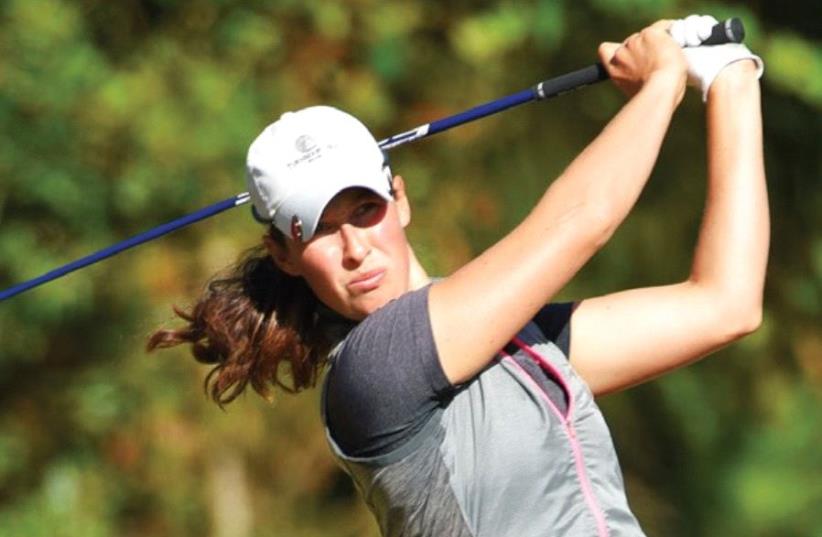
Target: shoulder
<point>385,380</point>
<point>391,345</point>
<point>403,318</point>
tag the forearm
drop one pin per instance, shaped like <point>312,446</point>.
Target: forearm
<point>607,177</point>
<point>732,249</point>
<point>582,208</point>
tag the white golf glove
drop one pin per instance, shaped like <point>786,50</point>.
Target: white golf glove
<point>693,30</point>
<point>705,62</point>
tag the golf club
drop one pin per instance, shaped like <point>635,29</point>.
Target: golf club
<point>730,30</point>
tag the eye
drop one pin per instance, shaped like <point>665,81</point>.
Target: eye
<point>368,213</point>
<point>323,228</point>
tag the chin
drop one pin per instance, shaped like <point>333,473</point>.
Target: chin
<point>362,305</point>
<point>368,305</point>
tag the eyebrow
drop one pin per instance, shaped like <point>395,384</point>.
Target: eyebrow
<point>361,192</point>
<point>358,194</point>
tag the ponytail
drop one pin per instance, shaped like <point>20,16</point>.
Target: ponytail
<point>256,325</point>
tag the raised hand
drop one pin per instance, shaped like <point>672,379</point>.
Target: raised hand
<point>645,55</point>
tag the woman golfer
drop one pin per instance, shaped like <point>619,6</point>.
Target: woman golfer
<point>464,406</point>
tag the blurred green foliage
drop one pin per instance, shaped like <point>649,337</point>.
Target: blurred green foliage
<point>118,116</point>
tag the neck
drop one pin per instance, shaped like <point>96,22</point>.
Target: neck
<point>417,276</point>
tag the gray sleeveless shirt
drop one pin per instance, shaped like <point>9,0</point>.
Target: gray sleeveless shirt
<point>493,457</point>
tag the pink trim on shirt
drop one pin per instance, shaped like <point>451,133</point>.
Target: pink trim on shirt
<point>582,474</point>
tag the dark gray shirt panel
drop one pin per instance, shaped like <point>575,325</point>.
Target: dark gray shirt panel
<point>554,320</point>
<point>386,380</point>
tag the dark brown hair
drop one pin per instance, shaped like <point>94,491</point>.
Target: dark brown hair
<point>257,325</point>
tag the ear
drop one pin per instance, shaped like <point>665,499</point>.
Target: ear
<point>401,200</point>
<point>281,255</point>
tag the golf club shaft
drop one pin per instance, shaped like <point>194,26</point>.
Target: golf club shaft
<point>730,30</point>
<point>556,86</point>
<point>544,90</point>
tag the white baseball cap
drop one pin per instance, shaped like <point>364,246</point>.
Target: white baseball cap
<point>304,159</point>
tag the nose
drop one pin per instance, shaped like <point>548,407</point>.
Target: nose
<point>355,245</point>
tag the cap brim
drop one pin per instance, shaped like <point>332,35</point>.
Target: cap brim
<point>308,205</point>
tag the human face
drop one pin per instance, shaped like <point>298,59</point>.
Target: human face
<point>358,259</point>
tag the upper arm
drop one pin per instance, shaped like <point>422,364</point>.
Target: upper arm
<point>622,339</point>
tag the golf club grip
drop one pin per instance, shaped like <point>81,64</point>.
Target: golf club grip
<point>728,31</point>
<point>570,81</point>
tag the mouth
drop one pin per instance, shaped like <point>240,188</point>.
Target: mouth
<point>366,282</point>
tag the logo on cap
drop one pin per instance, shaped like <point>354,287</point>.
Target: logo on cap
<point>305,143</point>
